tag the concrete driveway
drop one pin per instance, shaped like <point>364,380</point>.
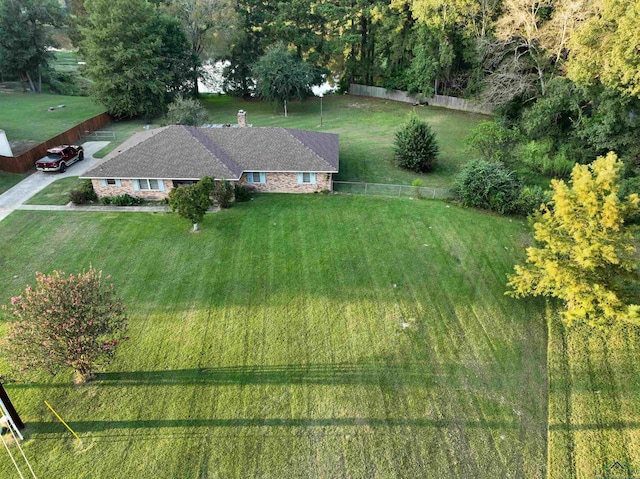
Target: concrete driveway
<point>14,197</point>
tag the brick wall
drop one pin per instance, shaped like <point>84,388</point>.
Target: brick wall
<point>276,183</point>
<point>288,183</point>
<point>126,187</point>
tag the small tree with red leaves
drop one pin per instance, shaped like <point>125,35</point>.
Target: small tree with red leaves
<point>65,321</point>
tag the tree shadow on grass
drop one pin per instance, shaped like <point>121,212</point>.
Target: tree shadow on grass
<point>329,374</point>
<point>359,374</point>
<point>359,422</point>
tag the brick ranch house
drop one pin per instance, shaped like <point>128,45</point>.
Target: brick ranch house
<point>268,159</point>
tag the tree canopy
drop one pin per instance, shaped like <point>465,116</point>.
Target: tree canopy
<point>137,57</point>
<point>605,48</point>
<point>584,253</point>
<point>65,321</point>
<point>192,201</point>
<point>24,37</point>
<point>281,75</point>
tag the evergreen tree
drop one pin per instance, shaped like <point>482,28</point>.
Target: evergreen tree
<point>416,146</point>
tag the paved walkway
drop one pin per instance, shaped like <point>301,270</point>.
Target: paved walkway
<point>71,207</point>
<point>14,198</point>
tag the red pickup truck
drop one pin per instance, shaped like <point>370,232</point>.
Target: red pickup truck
<point>59,157</point>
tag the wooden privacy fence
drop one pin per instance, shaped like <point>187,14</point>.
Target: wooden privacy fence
<point>24,162</point>
<point>398,191</point>
<point>444,101</point>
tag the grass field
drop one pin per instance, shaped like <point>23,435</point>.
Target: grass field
<point>7,180</point>
<point>271,344</point>
<point>25,118</point>
<point>57,193</point>
<point>594,411</point>
<point>366,127</point>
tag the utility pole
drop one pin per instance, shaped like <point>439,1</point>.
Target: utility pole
<point>7,406</point>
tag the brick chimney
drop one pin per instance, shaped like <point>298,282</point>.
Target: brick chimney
<point>242,118</point>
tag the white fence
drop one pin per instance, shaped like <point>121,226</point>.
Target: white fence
<point>443,101</point>
<point>397,191</point>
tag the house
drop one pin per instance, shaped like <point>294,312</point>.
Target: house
<point>269,159</point>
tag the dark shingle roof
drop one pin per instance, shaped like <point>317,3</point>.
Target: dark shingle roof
<point>182,152</point>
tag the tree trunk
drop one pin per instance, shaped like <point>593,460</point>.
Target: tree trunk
<point>4,397</point>
<point>196,89</point>
<point>195,227</point>
<point>285,108</point>
<point>32,87</point>
<point>39,80</point>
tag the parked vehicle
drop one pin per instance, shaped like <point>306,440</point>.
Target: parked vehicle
<point>59,157</point>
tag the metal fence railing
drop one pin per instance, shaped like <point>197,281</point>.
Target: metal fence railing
<point>397,191</point>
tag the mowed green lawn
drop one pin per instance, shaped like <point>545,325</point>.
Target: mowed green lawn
<point>25,116</point>
<point>594,411</point>
<point>57,193</point>
<point>366,127</point>
<point>272,344</point>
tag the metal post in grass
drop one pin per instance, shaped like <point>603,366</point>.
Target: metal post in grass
<point>7,408</point>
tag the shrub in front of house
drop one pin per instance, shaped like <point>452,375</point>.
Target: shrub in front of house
<point>416,148</point>
<point>83,195</point>
<point>488,185</point>
<point>241,193</point>
<point>121,200</point>
<point>222,194</point>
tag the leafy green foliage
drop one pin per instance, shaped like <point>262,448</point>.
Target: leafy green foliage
<point>222,194</point>
<point>192,201</point>
<point>84,194</point>
<point>493,141</point>
<point>601,48</point>
<point>186,111</point>
<point>137,57</point>
<point>488,185</point>
<point>65,321</point>
<point>538,156</point>
<point>281,75</point>
<point>241,193</point>
<point>584,253</point>
<point>416,148</point>
<point>121,200</point>
<point>24,37</point>
<point>530,199</point>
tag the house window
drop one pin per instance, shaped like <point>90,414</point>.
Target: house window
<point>177,183</point>
<point>110,182</point>
<point>306,178</point>
<point>148,184</point>
<point>254,177</point>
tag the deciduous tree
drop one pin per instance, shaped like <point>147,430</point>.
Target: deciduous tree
<point>282,75</point>
<point>605,48</point>
<point>137,57</point>
<point>65,321</point>
<point>186,111</point>
<point>584,254</point>
<point>192,201</point>
<point>24,38</point>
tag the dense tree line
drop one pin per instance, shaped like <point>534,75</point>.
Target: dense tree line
<point>562,72</point>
